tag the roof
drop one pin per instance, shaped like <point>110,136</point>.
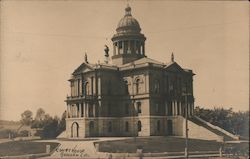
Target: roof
<point>86,67</point>
<point>143,60</point>
<point>128,22</point>
<point>140,63</point>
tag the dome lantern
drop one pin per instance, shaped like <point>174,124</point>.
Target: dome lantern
<point>128,42</point>
<point>128,10</point>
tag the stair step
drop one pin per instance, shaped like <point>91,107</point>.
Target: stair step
<point>217,132</point>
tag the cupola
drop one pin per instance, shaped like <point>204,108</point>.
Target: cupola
<point>128,42</point>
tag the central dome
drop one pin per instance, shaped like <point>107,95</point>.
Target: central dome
<point>128,42</point>
<point>128,23</point>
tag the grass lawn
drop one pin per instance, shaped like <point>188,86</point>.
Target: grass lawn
<point>158,144</point>
<point>14,148</point>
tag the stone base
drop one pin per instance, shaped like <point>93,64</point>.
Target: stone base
<point>124,126</point>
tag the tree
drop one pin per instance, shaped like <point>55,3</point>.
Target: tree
<point>40,114</point>
<point>234,122</point>
<point>62,123</point>
<point>39,119</point>
<point>26,117</point>
<point>50,127</point>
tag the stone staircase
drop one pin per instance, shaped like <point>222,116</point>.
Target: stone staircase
<point>214,129</point>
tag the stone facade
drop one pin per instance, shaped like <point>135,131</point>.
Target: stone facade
<point>132,96</point>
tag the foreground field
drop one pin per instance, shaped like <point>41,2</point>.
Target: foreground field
<point>14,148</point>
<point>158,144</point>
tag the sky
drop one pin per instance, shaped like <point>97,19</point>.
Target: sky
<point>42,42</point>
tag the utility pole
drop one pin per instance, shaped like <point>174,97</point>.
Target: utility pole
<point>186,124</point>
<point>134,120</point>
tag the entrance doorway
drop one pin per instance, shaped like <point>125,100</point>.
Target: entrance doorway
<point>75,130</point>
<point>170,127</point>
<point>91,128</point>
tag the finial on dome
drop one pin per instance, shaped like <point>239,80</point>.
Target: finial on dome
<point>128,10</point>
<point>86,58</point>
<point>172,57</point>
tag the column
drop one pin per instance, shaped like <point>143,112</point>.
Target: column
<point>189,109</point>
<point>166,108</point>
<point>180,107</point>
<point>143,49</point>
<point>132,85</point>
<point>94,113</point>
<point>114,48</point>
<point>139,49</point>
<point>76,87</point>
<point>172,105</point>
<point>123,48</point>
<point>94,86</point>
<point>80,87</point>
<point>87,109</point>
<point>77,110</point>
<point>80,110</point>
<point>118,47</point>
<point>146,83</point>
<point>129,47</point>
<point>99,85</point>
<point>84,109</point>
<point>175,107</point>
<point>99,108</point>
<point>68,116</point>
<point>135,48</point>
<point>192,108</point>
<point>71,111</point>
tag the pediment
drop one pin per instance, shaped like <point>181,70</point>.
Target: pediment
<point>83,68</point>
<point>174,67</point>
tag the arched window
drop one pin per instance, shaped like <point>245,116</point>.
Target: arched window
<point>170,127</point>
<point>74,111</point>
<point>120,47</point>
<point>157,110</point>
<point>126,86</point>
<point>158,125</point>
<point>72,88</point>
<point>138,106</point>
<point>110,126</point>
<point>91,128</point>
<point>75,130</point>
<point>139,126</point>
<point>126,108</point>
<point>91,110</point>
<point>137,86</point>
<point>86,88</point>
<point>109,88</point>
<point>126,126</point>
<point>156,86</point>
<point>109,109</point>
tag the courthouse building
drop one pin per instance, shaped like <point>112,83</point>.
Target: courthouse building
<point>128,94</point>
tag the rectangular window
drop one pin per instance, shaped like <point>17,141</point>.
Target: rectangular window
<point>138,105</point>
<point>157,108</point>
<point>126,126</point>
<point>126,108</point>
<point>110,126</point>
